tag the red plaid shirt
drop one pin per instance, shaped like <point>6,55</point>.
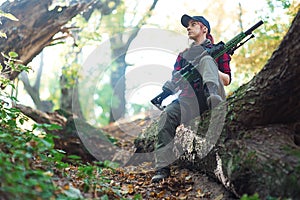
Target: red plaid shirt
<point>223,65</point>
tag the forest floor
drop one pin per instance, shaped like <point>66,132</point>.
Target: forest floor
<point>98,179</point>
<point>182,184</point>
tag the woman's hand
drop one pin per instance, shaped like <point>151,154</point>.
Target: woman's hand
<point>224,78</point>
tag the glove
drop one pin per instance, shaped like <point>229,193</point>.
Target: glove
<point>170,87</point>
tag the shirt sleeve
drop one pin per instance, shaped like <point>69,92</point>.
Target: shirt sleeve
<point>177,67</point>
<point>224,64</point>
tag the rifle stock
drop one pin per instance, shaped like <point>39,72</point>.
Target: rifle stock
<point>217,51</point>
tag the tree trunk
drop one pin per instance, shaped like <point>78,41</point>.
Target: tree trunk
<point>117,82</point>
<point>34,90</point>
<point>69,100</point>
<point>119,49</point>
<point>258,148</point>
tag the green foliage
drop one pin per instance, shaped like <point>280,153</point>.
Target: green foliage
<point>256,197</point>
<point>28,163</point>
<point>290,5</point>
<point>71,74</point>
<point>11,61</point>
<point>253,197</point>
<point>89,34</point>
<point>253,55</point>
<point>114,23</point>
<point>134,108</point>
<point>104,102</point>
<point>31,168</point>
<point>19,149</point>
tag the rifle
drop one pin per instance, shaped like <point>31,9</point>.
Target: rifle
<point>216,51</point>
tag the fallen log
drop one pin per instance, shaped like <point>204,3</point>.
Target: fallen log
<point>78,137</point>
<point>69,138</point>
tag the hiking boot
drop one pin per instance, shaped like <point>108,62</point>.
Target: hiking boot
<point>161,174</point>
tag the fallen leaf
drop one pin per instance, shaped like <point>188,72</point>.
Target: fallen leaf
<point>66,187</point>
<point>183,196</point>
<point>188,178</point>
<point>140,183</point>
<point>38,188</point>
<point>128,189</point>
<point>131,176</point>
<point>48,173</point>
<point>73,193</point>
<point>200,194</point>
<point>32,143</point>
<point>152,194</point>
<point>189,189</point>
<point>220,197</point>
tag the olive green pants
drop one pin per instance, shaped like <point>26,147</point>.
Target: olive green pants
<point>178,112</point>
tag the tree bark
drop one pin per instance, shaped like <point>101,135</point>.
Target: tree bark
<point>35,29</point>
<point>258,148</point>
<point>38,25</point>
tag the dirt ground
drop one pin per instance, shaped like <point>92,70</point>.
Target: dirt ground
<point>136,180</point>
<point>183,184</point>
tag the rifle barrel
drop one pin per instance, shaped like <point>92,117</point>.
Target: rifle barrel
<point>249,31</point>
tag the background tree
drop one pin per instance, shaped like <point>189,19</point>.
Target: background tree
<point>122,36</point>
<point>34,90</point>
<point>72,56</point>
<point>37,25</point>
<point>252,56</point>
<point>39,30</point>
<point>68,80</point>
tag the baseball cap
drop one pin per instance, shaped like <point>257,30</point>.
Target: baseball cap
<point>186,18</point>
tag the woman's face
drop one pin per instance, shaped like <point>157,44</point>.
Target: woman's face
<point>196,30</point>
